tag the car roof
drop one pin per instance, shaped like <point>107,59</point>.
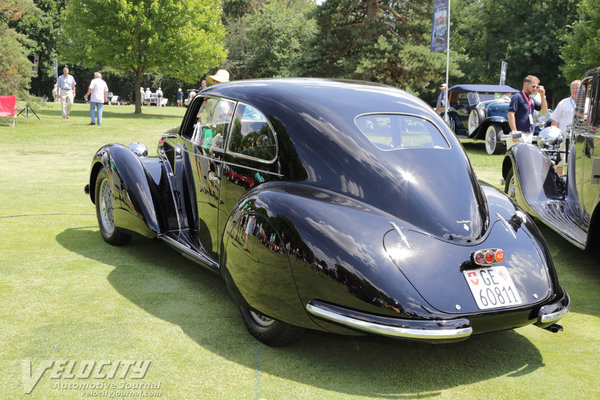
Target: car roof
<point>483,88</point>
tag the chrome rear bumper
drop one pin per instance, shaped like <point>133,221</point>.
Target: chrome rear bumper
<point>430,330</point>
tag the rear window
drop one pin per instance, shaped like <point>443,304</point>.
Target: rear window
<point>397,131</point>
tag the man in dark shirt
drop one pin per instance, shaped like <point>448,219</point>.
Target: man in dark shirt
<point>522,104</point>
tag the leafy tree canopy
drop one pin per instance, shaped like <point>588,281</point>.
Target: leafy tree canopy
<point>379,40</point>
<point>180,38</point>
<point>15,68</point>
<point>266,42</point>
<point>581,50</point>
<point>527,34</point>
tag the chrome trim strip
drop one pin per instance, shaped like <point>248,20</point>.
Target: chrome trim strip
<point>401,234</point>
<point>507,225</point>
<point>386,330</point>
<point>189,252</point>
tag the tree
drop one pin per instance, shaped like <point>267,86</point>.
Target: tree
<point>526,34</point>
<point>42,28</point>
<point>385,41</point>
<point>180,38</point>
<point>15,68</point>
<point>581,50</point>
<point>266,42</point>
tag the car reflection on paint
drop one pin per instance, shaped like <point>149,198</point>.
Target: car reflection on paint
<point>344,207</point>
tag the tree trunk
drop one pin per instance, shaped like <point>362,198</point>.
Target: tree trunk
<point>138,97</point>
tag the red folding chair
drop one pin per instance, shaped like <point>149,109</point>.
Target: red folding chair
<point>8,113</point>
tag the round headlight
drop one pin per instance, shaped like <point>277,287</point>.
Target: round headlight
<point>550,138</point>
<point>138,149</point>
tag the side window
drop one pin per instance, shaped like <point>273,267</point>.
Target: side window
<point>212,123</point>
<point>251,134</point>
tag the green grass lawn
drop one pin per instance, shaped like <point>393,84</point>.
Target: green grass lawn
<point>67,295</point>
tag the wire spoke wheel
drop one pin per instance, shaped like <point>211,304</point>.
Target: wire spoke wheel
<point>107,218</point>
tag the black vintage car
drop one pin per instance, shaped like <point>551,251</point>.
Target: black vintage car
<point>336,206</point>
<point>567,201</point>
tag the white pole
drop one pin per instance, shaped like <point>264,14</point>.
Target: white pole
<point>446,117</point>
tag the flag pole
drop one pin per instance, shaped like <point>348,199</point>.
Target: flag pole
<point>446,117</point>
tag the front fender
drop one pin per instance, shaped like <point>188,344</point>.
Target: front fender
<point>535,178</point>
<point>134,189</point>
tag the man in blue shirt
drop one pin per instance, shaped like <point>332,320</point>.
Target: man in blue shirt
<point>66,91</point>
<point>522,104</point>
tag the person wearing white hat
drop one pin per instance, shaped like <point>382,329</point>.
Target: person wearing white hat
<point>221,76</point>
<point>440,107</point>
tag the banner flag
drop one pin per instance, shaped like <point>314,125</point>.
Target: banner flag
<point>439,28</point>
<point>503,73</point>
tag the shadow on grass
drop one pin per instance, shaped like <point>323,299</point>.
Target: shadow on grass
<point>577,270</point>
<point>110,114</point>
<point>170,287</point>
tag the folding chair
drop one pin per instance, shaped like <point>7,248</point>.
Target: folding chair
<point>8,114</point>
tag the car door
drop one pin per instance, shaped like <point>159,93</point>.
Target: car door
<point>250,159</point>
<point>204,134</point>
<point>586,125</point>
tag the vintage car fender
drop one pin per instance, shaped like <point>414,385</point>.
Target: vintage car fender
<point>134,186</point>
<point>314,228</point>
<point>351,281</point>
<point>535,179</point>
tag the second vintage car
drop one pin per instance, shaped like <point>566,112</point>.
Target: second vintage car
<point>566,201</point>
<point>344,207</point>
<point>480,112</point>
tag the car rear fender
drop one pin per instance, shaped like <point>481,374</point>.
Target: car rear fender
<point>135,187</point>
<point>334,247</point>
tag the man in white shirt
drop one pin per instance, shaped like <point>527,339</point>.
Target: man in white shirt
<point>65,86</point>
<point>99,95</point>
<point>562,116</point>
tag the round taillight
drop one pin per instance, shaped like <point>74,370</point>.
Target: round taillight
<point>489,256</point>
<point>499,255</point>
<point>479,258</point>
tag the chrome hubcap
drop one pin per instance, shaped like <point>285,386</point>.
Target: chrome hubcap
<point>106,207</point>
<point>490,140</point>
<point>261,319</point>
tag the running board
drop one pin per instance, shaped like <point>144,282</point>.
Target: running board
<point>557,215</point>
<point>192,254</point>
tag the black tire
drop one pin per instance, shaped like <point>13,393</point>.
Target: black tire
<point>269,331</point>
<point>493,144</point>
<point>104,212</point>
<point>510,185</point>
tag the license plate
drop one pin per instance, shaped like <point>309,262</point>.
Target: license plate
<point>492,287</point>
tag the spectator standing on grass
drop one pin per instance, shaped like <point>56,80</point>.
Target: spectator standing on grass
<point>562,116</point>
<point>99,95</point>
<point>522,105</point>
<point>179,98</point>
<point>66,87</point>
<point>159,97</point>
<point>148,95</point>
<point>142,95</point>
